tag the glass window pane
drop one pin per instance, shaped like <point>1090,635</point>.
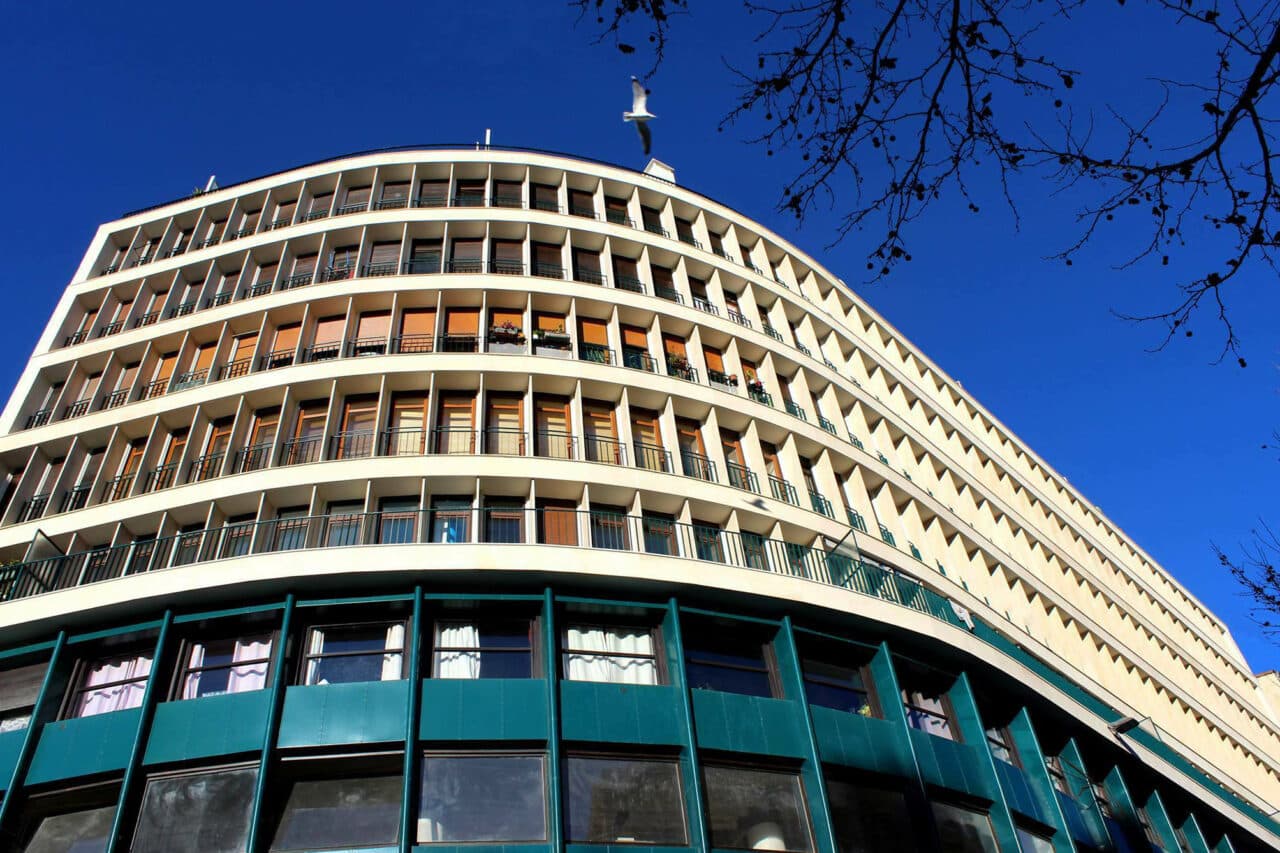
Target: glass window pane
<point>482,798</point>
<point>611,655</point>
<point>756,810</point>
<point>76,832</point>
<point>499,648</point>
<point>963,831</point>
<point>1029,842</point>
<point>626,801</point>
<point>205,813</point>
<point>334,813</point>
<point>869,820</point>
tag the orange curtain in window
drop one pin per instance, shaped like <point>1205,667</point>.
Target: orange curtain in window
<point>373,324</point>
<point>165,369</point>
<point>245,345</point>
<point>594,332</point>
<point>715,361</point>
<point>461,321</point>
<point>204,357</point>
<point>549,322</point>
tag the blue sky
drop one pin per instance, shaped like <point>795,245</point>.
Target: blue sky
<point>112,107</point>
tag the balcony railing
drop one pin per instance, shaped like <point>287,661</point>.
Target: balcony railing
<point>704,305</point>
<point>795,411</point>
<point>77,497</point>
<point>301,279</point>
<point>682,371</point>
<point>505,441</point>
<point>887,536</point>
<point>361,347</point>
<point>146,319</point>
<point>500,266</point>
<point>555,444</point>
<point>590,277</point>
<point>184,308</point>
<point>117,487</point>
<point>422,266</point>
<point>626,282</point>
<point>154,389</point>
<point>276,359</point>
<point>381,268</point>
<point>115,398</point>
<point>596,353</point>
<point>804,349</point>
<point>233,369</point>
<point>652,457</point>
<point>358,207</point>
<point>618,217</point>
<point>719,377</point>
<point>459,343</point>
<point>601,449</point>
<point>252,458</point>
<point>111,329</point>
<point>76,409</point>
<point>821,505</point>
<point>465,265</point>
<point>189,379</point>
<point>402,442</point>
<point>33,508</point>
<point>321,352</point>
<point>783,491</point>
<point>739,319</point>
<point>39,418</point>
<point>219,299</point>
<point>352,444</point>
<point>262,288</point>
<point>771,331</point>
<point>656,229</point>
<point>668,293</point>
<point>827,425</point>
<point>412,344</point>
<point>450,440</point>
<point>697,465</point>
<point>161,477</point>
<point>742,477</point>
<point>639,360</point>
<point>299,451</point>
<point>390,203</point>
<point>548,270</point>
<point>76,338</point>
<point>339,273</point>
<point>205,467</point>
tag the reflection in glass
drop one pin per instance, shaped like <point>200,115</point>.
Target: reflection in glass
<point>342,654</point>
<point>495,648</point>
<point>962,830</point>
<point>75,832</point>
<point>869,820</point>
<point>324,814</point>
<point>624,801</point>
<point>756,810</point>
<point>201,813</point>
<point>469,798</point>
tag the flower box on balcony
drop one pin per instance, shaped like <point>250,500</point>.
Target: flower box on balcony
<point>507,334</point>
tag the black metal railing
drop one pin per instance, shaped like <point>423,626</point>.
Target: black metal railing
<point>697,465</point>
<point>146,319</point>
<point>190,379</point>
<point>205,467</point>
<point>504,441</point>
<point>719,377</point>
<point>390,203</point>
<point>161,477</point>
<point>771,332</point>
<point>321,352</point>
<point>601,449</point>
<point>820,504</point>
<point>115,398</point>
<point>379,269</point>
<point>739,319</point>
<point>233,369</point>
<point>742,477</point>
<point>682,371</point>
<point>412,344</point>
<point>856,520</point>
<point>262,288</point>
<point>465,265</point>
<point>254,457</point>
<point>668,293</point>
<point>795,411</point>
<point>77,497</point>
<point>361,347</point>
<point>276,359</point>
<point>117,487</point>
<point>358,207</point>
<point>76,338</point>
<point>154,389</point>
<point>827,425</point>
<point>760,395</point>
<point>301,279</point>
<point>548,270</point>
<point>33,508</point>
<point>76,409</point>
<point>402,442</point>
<point>652,457</point>
<point>111,329</point>
<point>39,418</point>
<point>783,491</point>
<point>590,277</point>
<point>338,273</point>
<point>352,444</point>
<point>299,451</point>
<point>219,299</point>
<point>596,353</point>
<point>450,440</point>
<point>705,305</point>
<point>184,308</point>
<point>501,266</point>
<point>555,444</point>
<point>626,282</point>
<point>459,343</point>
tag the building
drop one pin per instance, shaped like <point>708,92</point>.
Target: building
<point>428,498</point>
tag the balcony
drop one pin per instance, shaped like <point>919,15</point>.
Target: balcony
<point>468,199</point>
<point>339,273</point>
<point>312,216</point>
<point>607,450</point>
<point>555,444</point>
<point>584,212</point>
<point>402,442</point>
<point>856,442</point>
<point>626,282</point>
<point>887,536</point>
<point>39,418</point>
<point>300,451</point>
<point>591,277</point>
<point>111,329</point>
<point>412,344</point>
<point>117,487</point>
<point>690,241</point>
<point>152,390</point>
<point>459,343</point>
<point>508,201</point>
<point>596,353</point>
<point>233,369</point>
<point>184,308</point>
<point>742,477</point>
<point>724,380</point>
<point>830,365</point>
<point>698,466</point>
<point>262,288</point>
<point>234,235</point>
<point>739,319</point>
<point>189,379</point>
<point>77,497</point>
<point>783,491</point>
<point>76,338</point>
<point>652,457</point>
<point>704,305</point>
<point>218,299</point>
<point>115,398</point>
<point>321,352</point>
<point>821,505</point>
<point>639,360</point>
<point>255,457</point>
<point>804,349</point>
<point>352,444</point>
<point>422,266</point>
<point>547,205</point>
<point>161,477</point>
<point>681,370</point>
<point>501,266</point>
<point>654,228</point>
<point>827,425</point>
<point>755,390</point>
<point>771,331</point>
<point>276,359</point>
<point>297,280</point>
<point>619,217</point>
<point>33,508</point>
<point>795,411</point>
<point>361,347</point>
<point>380,269</point>
<point>205,467</point>
<point>284,222</point>
<point>548,270</point>
<point>668,293</point>
<point>451,440</point>
<point>347,209</point>
<point>391,203</point>
<point>556,344</point>
<point>431,201</point>
<point>466,265</point>
<point>501,441</point>
<point>76,409</point>
<point>146,319</point>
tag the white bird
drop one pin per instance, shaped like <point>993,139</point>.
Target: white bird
<point>640,112</point>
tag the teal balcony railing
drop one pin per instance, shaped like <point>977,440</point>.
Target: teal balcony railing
<point>783,491</point>
<point>795,411</point>
<point>821,505</point>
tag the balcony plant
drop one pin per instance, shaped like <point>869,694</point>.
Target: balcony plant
<point>755,386</point>
<point>556,337</point>
<point>507,332</point>
<point>677,362</point>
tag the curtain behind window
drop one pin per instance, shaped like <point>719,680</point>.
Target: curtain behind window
<point>624,660</point>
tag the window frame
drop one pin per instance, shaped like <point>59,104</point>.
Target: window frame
<point>820,653</point>
<point>639,756</point>
<point>544,759</point>
<point>302,769</point>
<point>768,657</point>
<point>475,618</point>
<point>774,768</point>
<point>81,669</point>
<point>306,656</point>
<point>661,673</point>
<point>183,669</point>
<point>188,771</point>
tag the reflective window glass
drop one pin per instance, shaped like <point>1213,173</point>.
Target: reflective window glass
<point>327,814</point>
<point>751,809</point>
<point>488,798</point>
<point>196,813</point>
<point>868,819</point>
<point>341,654</point>
<point>963,830</point>
<point>624,801</point>
<point>74,832</point>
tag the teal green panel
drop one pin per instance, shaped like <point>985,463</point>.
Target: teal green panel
<point>948,764</point>
<point>96,744</point>
<point>324,714</point>
<point>481,848</point>
<point>748,724</point>
<point>215,725</point>
<point>1019,794</point>
<point>625,713</point>
<point>864,742</point>
<point>10,746</point>
<point>484,709</point>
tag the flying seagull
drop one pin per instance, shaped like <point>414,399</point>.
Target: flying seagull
<point>639,112</point>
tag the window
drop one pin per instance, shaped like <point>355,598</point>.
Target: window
<point>343,654</point>
<point>205,812</point>
<point>924,696</point>
<point>557,522</point>
<point>749,809</point>
<point>107,684</point>
<point>1001,744</point>
<point>503,520</point>
<point>1148,831</point>
<point>483,648</point>
<point>614,800</point>
<point>869,819</point>
<point>456,431</point>
<point>230,665</point>
<point>398,520</point>
<point>609,527</point>
<point>659,529</point>
<point>732,658</point>
<point>963,830</point>
<point>844,686</point>
<point>451,519</point>
<point>1057,775</point>
<point>340,812</point>
<point>1033,842</point>
<point>19,689</point>
<point>613,655</point>
<point>86,830</point>
<point>482,798</point>
<point>1103,799</point>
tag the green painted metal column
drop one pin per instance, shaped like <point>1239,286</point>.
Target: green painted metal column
<point>1224,846</point>
<point>1033,764</point>
<point>1195,838</point>
<point>408,813</point>
<point>694,802</point>
<point>274,710</point>
<point>1161,822</point>
<point>1082,791</point>
<point>159,665</point>
<point>32,736</point>
<point>972,731</point>
<point>890,694</point>
<point>793,679</point>
<point>555,829</point>
<point>1122,806</point>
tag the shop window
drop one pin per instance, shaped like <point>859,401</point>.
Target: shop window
<point>482,798</point>
<point>963,830</point>
<point>735,658</point>
<point>113,683</point>
<point>869,818</point>
<point>624,800</point>
<point>343,654</point>
<point>752,809</point>
<point>205,812</point>
<point>227,665</point>
<point>484,648</point>
<point>611,654</point>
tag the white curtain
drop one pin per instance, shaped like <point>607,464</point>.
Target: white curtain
<point>391,668</point>
<point>315,647</point>
<point>251,676</point>
<point>191,688</point>
<point>458,664</point>
<point>118,696</point>
<point>622,664</point>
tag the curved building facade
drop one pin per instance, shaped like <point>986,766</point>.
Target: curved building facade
<point>442,498</point>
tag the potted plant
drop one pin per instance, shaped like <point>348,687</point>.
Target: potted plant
<point>755,386</point>
<point>732,380</point>
<point>507,332</point>
<point>677,362</point>
<point>556,335</point>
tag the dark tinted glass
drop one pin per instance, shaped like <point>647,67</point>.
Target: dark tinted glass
<point>324,814</point>
<point>482,798</point>
<point>868,819</point>
<point>756,810</point>
<point>75,832</point>
<point>732,661</point>
<point>624,801</point>
<point>204,813</point>
<point>833,686</point>
<point>963,830</point>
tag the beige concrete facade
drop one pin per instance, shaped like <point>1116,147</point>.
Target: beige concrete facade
<point>189,326</point>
